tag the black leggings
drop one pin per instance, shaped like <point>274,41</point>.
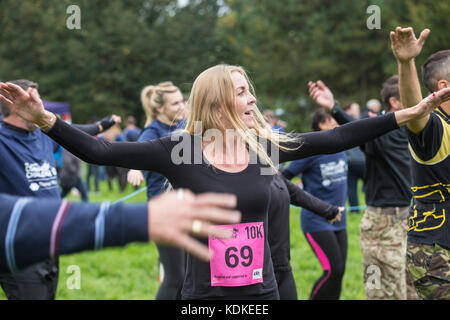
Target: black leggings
<point>330,248</point>
<point>173,261</point>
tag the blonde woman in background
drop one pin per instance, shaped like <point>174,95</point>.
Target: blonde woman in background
<point>164,106</point>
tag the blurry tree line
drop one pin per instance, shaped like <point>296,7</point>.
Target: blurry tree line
<point>124,45</point>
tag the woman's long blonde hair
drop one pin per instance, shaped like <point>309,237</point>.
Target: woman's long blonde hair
<point>213,96</point>
<point>152,98</point>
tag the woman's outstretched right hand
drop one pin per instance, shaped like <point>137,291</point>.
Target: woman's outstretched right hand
<point>421,111</point>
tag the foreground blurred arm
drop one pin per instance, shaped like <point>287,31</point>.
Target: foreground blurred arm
<point>33,230</point>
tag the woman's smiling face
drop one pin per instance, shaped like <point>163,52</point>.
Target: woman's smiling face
<point>245,101</point>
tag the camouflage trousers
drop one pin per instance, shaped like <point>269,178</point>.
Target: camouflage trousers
<point>383,239</point>
<point>429,266</point>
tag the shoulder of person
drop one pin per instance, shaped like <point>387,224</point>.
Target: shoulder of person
<point>152,131</point>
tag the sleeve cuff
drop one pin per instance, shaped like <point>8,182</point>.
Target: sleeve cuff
<point>335,108</point>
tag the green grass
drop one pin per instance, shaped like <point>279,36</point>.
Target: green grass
<point>132,272</point>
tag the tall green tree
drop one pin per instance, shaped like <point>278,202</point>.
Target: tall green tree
<point>286,43</point>
<point>121,47</point>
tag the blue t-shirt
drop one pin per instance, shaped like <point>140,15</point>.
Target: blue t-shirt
<point>131,134</point>
<point>324,176</point>
<point>157,183</point>
<point>58,157</point>
<point>27,164</point>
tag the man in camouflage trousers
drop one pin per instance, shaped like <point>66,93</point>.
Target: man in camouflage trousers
<point>383,243</point>
<point>428,246</point>
<point>430,279</point>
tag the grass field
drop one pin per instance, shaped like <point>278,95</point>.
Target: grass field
<point>132,272</point>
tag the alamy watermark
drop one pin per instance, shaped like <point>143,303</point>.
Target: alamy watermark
<point>73,281</point>
<point>73,22</point>
<point>211,141</point>
<point>373,281</point>
<point>374,20</point>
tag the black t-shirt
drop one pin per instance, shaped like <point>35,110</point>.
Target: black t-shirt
<point>388,167</point>
<point>179,158</point>
<point>429,220</point>
<point>388,170</point>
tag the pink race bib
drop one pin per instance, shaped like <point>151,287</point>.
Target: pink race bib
<point>238,261</point>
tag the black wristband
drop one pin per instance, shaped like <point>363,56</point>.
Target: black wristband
<point>106,123</point>
<point>335,108</point>
<point>333,213</point>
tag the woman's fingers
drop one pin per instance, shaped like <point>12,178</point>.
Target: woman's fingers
<point>438,97</point>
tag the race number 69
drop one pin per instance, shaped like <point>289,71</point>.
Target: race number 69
<point>245,254</point>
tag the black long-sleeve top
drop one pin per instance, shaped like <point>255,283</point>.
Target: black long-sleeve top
<point>388,166</point>
<point>180,159</point>
<point>283,193</point>
<point>32,230</point>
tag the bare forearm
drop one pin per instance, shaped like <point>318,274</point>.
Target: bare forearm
<point>409,85</point>
<point>410,92</point>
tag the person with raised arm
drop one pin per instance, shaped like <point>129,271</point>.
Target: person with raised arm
<point>224,148</point>
<point>428,249</point>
